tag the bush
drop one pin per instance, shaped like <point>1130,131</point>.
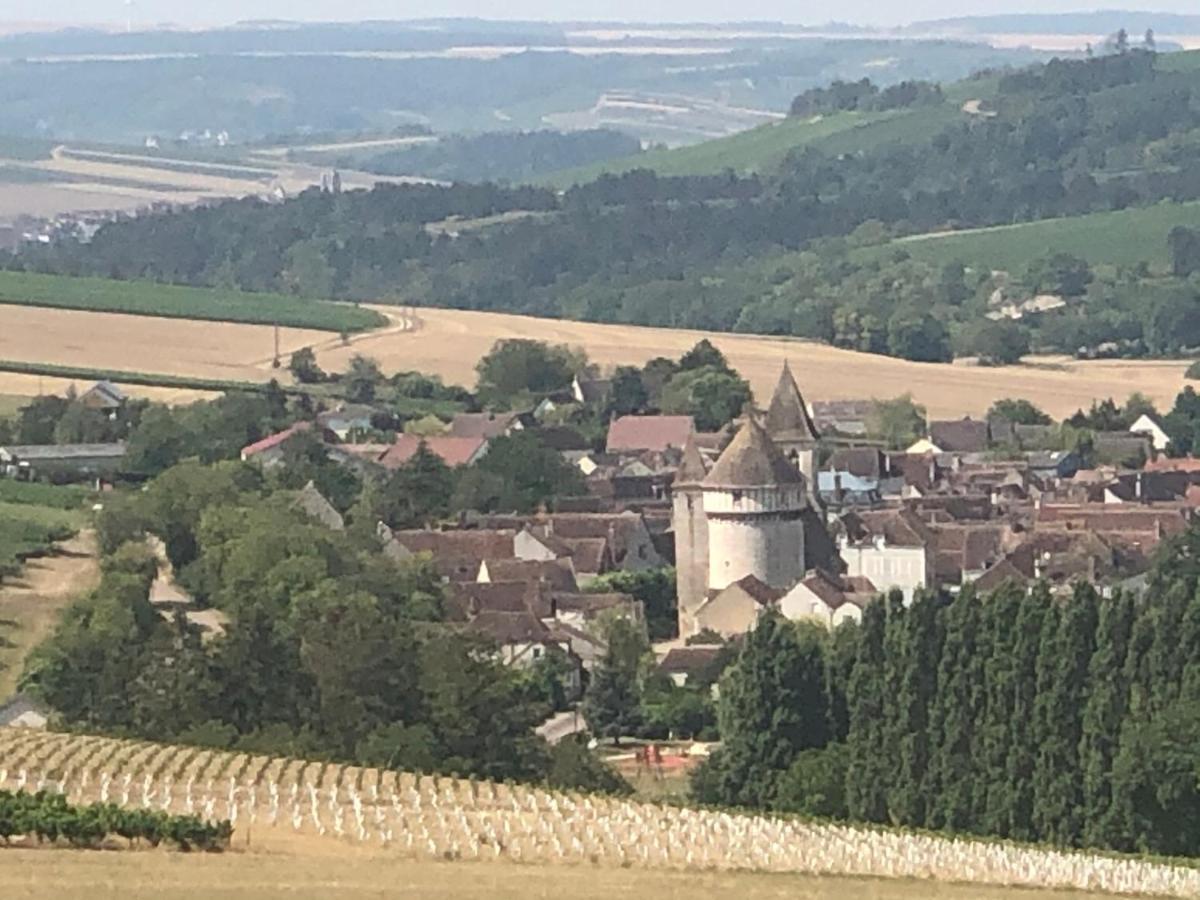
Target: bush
<point>1193,371</point>
<point>573,767</point>
<point>50,818</point>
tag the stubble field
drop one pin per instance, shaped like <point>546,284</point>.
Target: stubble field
<point>323,872</point>
<point>450,342</point>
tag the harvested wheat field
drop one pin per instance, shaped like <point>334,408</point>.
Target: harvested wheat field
<point>219,350</point>
<point>449,342</point>
<point>307,875</point>
<point>16,390</point>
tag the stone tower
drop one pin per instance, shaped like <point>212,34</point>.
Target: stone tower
<point>691,537</point>
<point>791,427</point>
<point>754,501</point>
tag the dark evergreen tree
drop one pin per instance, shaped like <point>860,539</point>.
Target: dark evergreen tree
<point>774,704</point>
<point>1019,764</point>
<point>953,719</point>
<point>869,756</point>
<point>1062,695</point>
<point>913,691</point>
<point>994,794</point>
<point>1107,704</point>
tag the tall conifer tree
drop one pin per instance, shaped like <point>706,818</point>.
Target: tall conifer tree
<point>1107,705</point>
<point>866,751</point>
<point>1058,780</point>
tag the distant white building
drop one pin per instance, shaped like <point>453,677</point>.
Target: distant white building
<point>1146,425</point>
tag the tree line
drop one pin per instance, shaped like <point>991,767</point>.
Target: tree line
<point>1011,714</point>
<point>50,818</point>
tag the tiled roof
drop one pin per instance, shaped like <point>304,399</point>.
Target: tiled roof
<point>558,574</point>
<point>752,460</point>
<point>510,628</point>
<point>787,416</point>
<point>482,425</point>
<point>274,440</point>
<point>960,435</point>
<point>35,452</point>
<point>863,462</point>
<point>691,467</point>
<point>478,544</point>
<point>649,432</point>
<point>453,451</point>
<point>689,661</point>
<point>762,593</point>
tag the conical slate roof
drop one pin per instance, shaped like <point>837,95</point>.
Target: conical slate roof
<point>787,416</point>
<point>752,460</point>
<point>691,467</point>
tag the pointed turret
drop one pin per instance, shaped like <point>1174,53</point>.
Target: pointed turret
<point>691,467</point>
<point>788,420</point>
<point>752,460</point>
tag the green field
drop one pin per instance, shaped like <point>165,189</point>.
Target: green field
<point>68,498</point>
<point>176,302</point>
<point>26,529</point>
<point>1126,237</point>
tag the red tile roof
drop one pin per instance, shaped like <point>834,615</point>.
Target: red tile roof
<point>629,433</point>
<point>453,451</point>
<point>274,440</point>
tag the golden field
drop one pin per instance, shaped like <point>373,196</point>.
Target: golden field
<point>450,342</point>
<point>325,871</point>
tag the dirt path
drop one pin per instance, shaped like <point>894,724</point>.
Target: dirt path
<point>30,604</point>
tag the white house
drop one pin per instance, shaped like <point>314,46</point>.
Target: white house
<point>828,599</point>
<point>892,549</point>
<point>1148,426</point>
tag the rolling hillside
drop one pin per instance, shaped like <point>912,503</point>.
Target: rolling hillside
<point>1122,238</point>
<point>762,149</point>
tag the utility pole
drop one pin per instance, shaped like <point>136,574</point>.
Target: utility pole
<point>275,362</point>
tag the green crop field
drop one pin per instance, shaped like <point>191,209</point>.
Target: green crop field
<point>69,498</point>
<point>176,302</point>
<point>1126,237</point>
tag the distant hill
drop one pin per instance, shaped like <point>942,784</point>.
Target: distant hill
<point>897,221</point>
<point>1099,22</point>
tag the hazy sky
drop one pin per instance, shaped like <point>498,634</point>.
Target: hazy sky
<point>802,11</point>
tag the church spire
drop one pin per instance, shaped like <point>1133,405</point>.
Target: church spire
<point>787,416</point>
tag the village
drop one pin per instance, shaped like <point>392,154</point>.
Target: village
<point>792,508</point>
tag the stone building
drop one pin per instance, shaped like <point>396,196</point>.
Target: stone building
<point>744,518</point>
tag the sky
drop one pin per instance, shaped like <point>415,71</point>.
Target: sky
<point>219,12</point>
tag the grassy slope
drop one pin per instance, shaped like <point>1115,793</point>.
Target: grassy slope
<point>1125,237</point>
<point>764,148</point>
<point>171,301</point>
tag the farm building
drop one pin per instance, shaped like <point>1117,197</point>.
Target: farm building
<point>61,462</point>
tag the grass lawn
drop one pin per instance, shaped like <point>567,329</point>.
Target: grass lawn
<point>173,301</point>
<point>10,404</point>
<point>357,873</point>
<point>1125,237</point>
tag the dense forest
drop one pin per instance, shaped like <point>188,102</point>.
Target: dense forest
<point>1066,139</point>
<point>1013,714</point>
<point>500,155</point>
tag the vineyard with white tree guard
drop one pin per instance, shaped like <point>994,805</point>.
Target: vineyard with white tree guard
<point>451,819</point>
